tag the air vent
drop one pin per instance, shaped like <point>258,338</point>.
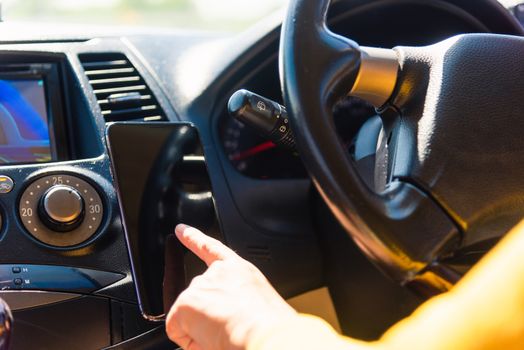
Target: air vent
<point>121,92</point>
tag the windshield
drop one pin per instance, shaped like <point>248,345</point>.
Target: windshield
<point>228,15</point>
<point>222,15</point>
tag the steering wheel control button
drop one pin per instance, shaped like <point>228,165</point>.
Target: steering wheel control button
<point>6,184</point>
<point>56,278</point>
<point>61,210</point>
<point>17,269</point>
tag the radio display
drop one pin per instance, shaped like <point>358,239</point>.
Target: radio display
<point>24,123</point>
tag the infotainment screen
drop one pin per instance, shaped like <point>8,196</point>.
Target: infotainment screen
<point>161,180</point>
<point>24,124</point>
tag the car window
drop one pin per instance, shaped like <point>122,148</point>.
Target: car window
<point>229,15</point>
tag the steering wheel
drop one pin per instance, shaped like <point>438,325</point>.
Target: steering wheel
<point>449,176</point>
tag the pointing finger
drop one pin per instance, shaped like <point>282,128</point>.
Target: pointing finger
<point>206,248</point>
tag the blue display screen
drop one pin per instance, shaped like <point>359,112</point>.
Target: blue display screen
<point>24,125</point>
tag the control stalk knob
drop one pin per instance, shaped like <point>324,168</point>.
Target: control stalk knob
<point>265,116</point>
<point>61,208</point>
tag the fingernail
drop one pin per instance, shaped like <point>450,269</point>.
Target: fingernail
<point>180,228</point>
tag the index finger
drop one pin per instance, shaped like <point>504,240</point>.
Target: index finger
<point>206,248</point>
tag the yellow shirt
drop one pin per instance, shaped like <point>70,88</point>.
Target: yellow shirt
<point>485,310</point>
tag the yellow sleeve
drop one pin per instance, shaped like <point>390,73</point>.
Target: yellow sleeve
<point>484,311</point>
<point>304,332</point>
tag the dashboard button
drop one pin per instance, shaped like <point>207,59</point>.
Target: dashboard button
<point>56,278</point>
<point>6,184</point>
<point>17,269</point>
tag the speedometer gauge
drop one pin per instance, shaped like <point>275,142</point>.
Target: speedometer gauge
<point>254,156</point>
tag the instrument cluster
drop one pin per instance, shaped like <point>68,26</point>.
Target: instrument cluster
<point>258,157</point>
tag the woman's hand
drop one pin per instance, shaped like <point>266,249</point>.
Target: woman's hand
<point>227,305</point>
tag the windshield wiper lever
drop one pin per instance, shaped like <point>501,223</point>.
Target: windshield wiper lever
<point>267,117</point>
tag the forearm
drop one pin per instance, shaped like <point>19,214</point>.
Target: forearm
<point>303,332</point>
<point>484,311</point>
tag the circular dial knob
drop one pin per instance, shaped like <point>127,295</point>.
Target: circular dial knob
<point>62,208</point>
<point>50,205</point>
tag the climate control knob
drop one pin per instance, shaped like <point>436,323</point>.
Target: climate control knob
<point>62,208</point>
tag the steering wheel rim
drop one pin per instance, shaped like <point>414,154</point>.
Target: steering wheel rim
<point>401,229</point>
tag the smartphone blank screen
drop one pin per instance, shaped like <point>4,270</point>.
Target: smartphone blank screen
<point>161,180</point>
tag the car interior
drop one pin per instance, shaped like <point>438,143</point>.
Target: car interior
<point>358,152</point>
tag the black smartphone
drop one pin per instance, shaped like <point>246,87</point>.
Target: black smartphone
<point>161,179</point>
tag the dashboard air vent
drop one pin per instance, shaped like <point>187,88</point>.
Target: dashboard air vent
<point>120,90</point>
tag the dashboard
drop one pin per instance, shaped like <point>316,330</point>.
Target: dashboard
<point>63,250</point>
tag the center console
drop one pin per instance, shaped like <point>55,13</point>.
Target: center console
<point>56,209</point>
<point>63,254</point>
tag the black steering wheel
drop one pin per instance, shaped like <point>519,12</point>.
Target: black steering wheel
<point>449,176</point>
